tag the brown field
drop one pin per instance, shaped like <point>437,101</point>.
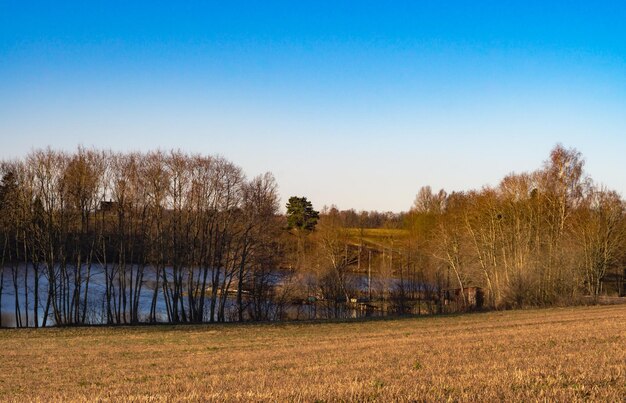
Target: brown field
<point>377,238</point>
<point>553,354</point>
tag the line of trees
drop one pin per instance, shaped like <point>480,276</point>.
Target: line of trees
<point>541,238</point>
<point>547,237</point>
<point>102,237</point>
<point>182,230</point>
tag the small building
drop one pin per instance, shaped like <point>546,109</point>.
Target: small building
<point>108,205</point>
<point>466,298</point>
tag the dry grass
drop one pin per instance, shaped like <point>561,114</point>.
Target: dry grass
<point>378,238</point>
<point>553,354</point>
<point>378,232</point>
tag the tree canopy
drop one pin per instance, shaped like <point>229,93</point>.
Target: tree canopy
<point>300,214</point>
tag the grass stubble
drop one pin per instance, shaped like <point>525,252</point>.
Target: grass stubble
<point>566,354</point>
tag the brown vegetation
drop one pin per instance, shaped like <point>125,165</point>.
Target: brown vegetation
<point>89,237</point>
<point>540,238</point>
<point>192,227</point>
<point>566,354</point>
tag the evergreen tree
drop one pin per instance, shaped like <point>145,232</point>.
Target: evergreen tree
<point>300,214</point>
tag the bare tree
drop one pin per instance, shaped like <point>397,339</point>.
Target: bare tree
<point>601,230</point>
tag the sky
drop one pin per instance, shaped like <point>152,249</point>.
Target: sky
<point>356,104</point>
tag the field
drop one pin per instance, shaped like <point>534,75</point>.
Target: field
<point>555,354</point>
<point>377,238</point>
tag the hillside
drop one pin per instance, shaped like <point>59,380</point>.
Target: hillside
<point>378,239</point>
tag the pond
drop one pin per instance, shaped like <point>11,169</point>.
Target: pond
<point>153,305</point>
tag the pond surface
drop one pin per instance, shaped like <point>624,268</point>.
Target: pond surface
<point>308,307</point>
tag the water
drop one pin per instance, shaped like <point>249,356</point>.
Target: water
<point>308,307</point>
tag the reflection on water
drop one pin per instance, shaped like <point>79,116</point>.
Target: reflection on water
<point>151,297</point>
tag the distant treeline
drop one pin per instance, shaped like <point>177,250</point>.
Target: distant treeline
<point>369,219</point>
<point>193,232</point>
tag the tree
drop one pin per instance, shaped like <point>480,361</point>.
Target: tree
<point>562,187</point>
<point>333,257</point>
<point>428,202</point>
<point>8,207</point>
<point>302,218</point>
<point>600,230</point>
<point>259,252</point>
<point>300,214</point>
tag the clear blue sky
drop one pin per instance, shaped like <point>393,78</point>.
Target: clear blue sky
<point>352,103</point>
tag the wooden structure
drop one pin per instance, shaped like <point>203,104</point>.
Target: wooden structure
<point>466,298</point>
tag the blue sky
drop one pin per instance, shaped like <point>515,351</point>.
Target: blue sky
<point>352,103</point>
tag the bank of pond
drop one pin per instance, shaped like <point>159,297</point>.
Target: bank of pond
<point>108,294</point>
